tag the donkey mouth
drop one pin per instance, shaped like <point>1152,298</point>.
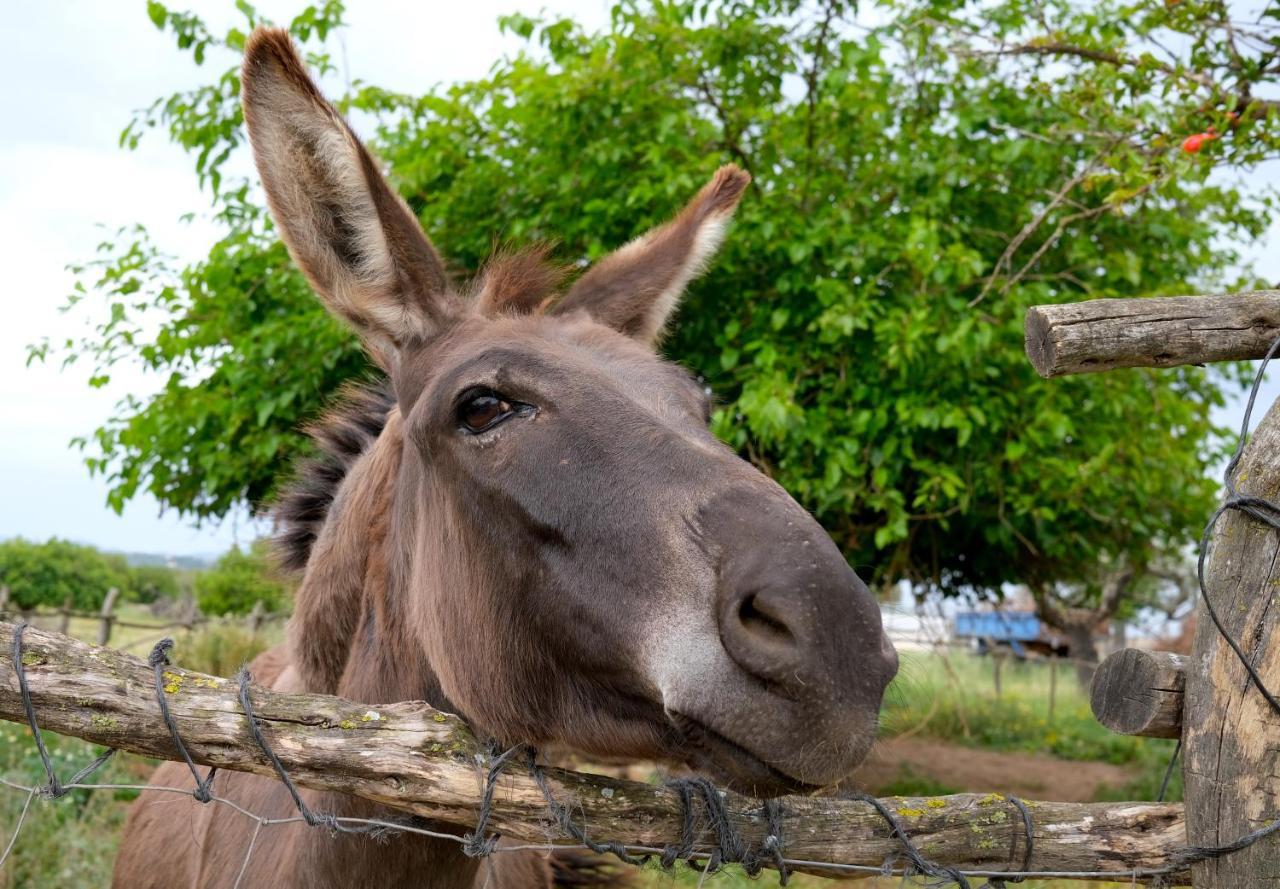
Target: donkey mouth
<point>707,750</point>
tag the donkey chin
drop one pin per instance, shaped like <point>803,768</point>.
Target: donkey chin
<point>765,743</point>
<point>809,766</point>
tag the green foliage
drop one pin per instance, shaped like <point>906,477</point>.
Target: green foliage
<point>48,573</point>
<point>152,582</point>
<point>239,579</point>
<point>920,180</point>
<point>71,841</point>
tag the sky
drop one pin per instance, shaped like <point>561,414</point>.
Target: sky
<point>74,72</point>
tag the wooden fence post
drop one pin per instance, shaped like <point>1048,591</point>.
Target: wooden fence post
<point>1231,736</point>
<point>1230,732</point>
<point>108,618</point>
<point>4,601</point>
<point>187,612</point>
<point>254,621</point>
<point>1053,685</point>
<point>997,661</point>
<point>64,619</point>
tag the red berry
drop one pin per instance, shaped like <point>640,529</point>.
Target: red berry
<point>1193,144</point>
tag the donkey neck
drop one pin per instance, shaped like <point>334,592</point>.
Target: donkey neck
<point>348,637</point>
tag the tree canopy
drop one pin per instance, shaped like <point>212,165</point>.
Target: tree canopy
<point>923,172</point>
<point>238,580</point>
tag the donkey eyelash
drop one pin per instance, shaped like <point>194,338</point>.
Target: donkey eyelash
<point>479,410</point>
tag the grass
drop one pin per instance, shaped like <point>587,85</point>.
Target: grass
<point>68,842</point>
<point>71,842</point>
<point>953,698</point>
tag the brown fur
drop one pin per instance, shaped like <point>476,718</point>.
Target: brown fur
<point>592,571</point>
<point>518,282</point>
<point>341,438</point>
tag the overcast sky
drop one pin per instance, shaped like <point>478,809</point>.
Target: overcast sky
<point>73,73</point>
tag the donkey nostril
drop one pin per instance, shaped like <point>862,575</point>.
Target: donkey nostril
<point>761,619</point>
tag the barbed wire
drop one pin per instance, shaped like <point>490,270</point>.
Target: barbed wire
<point>708,813</point>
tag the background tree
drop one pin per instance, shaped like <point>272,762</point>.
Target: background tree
<point>239,579</point>
<point>51,572</point>
<point>920,180</point>
<point>152,582</point>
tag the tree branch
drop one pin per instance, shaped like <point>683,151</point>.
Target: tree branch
<point>1242,102</point>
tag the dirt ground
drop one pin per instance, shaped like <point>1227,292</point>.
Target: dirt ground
<point>980,771</point>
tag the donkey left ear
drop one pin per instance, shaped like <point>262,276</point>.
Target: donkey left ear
<point>635,289</point>
<point>346,228</point>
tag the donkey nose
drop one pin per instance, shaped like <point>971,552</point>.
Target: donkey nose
<point>763,632</point>
<point>791,612</point>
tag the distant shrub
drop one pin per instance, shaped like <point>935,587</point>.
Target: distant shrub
<point>238,579</point>
<point>50,572</point>
<point>152,582</point>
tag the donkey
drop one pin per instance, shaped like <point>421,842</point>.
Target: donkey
<point>529,524</point>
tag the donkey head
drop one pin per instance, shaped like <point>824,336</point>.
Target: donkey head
<point>574,556</point>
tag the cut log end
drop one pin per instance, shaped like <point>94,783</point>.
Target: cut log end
<point>1039,342</point>
<point>1137,692</point>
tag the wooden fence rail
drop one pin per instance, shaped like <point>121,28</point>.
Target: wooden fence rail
<point>1105,334</point>
<point>108,621</point>
<point>416,759</point>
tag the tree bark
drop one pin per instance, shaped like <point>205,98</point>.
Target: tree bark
<point>411,757</point>
<point>1084,652</point>
<point>1104,334</point>
<point>1079,624</point>
<point>1231,767</point>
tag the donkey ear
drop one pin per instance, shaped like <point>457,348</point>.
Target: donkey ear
<point>349,232</point>
<point>635,288</point>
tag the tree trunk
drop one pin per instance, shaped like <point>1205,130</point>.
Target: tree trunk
<point>1084,652</point>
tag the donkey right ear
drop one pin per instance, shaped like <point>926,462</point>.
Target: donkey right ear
<point>349,232</point>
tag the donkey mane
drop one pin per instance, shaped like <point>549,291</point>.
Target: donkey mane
<point>517,282</point>
<point>342,435</point>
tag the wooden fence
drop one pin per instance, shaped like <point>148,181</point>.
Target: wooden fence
<point>418,760</point>
<point>108,620</point>
<point>1218,702</point>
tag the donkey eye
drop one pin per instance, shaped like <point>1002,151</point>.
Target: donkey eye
<point>483,410</point>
